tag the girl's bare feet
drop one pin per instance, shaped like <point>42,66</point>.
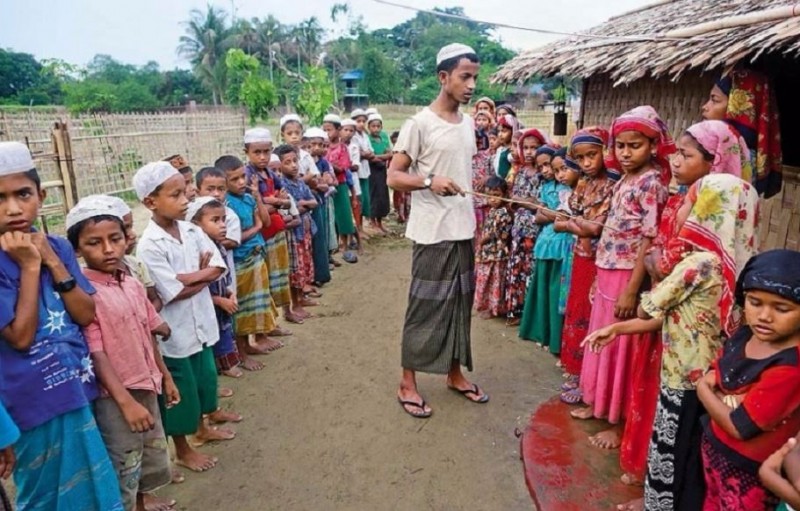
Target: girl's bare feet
<point>224,392</point>
<point>584,413</point>
<point>608,439</point>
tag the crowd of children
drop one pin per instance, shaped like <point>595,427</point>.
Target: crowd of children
<point>632,259</point>
<point>628,256</point>
<point>101,364</point>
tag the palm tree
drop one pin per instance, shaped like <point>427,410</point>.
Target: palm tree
<point>204,45</point>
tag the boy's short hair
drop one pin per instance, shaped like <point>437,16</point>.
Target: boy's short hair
<point>283,150</point>
<point>185,170</point>
<point>448,65</point>
<point>228,162</point>
<point>207,172</point>
<point>74,232</point>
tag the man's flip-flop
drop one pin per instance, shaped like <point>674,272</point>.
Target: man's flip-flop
<point>421,406</point>
<point>474,390</point>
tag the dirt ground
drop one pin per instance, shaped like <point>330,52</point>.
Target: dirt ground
<point>322,428</point>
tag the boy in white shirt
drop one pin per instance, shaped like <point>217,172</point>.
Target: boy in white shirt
<point>182,262</point>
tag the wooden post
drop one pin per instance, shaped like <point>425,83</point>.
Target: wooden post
<point>62,146</point>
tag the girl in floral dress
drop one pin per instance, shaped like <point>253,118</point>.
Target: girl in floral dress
<point>481,171</point>
<point>640,146</point>
<point>590,201</point>
<point>491,257</point>
<point>525,228</point>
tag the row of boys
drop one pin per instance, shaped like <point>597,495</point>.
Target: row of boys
<point>199,298</point>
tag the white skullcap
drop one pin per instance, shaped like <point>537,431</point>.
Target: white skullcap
<point>332,118</point>
<point>151,176</point>
<point>358,112</point>
<point>316,133</point>
<point>374,117</point>
<point>120,207</point>
<point>91,207</point>
<point>256,135</point>
<point>453,50</point>
<point>348,122</point>
<point>197,204</point>
<point>290,118</point>
<point>274,158</point>
<point>15,158</point>
<point>370,111</point>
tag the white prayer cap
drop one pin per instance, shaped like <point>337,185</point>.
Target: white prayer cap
<point>274,158</point>
<point>196,205</point>
<point>290,118</point>
<point>370,111</point>
<point>348,122</point>
<point>120,207</point>
<point>316,133</point>
<point>453,50</point>
<point>256,135</point>
<point>15,158</point>
<point>375,117</point>
<point>151,176</point>
<point>358,112</point>
<point>332,118</point>
<point>90,207</point>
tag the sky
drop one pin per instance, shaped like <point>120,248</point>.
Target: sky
<point>139,31</point>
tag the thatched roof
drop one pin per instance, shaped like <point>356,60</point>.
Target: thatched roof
<point>662,52</point>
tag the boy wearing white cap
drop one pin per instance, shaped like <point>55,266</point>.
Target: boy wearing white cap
<point>47,379</point>
<point>366,153</point>
<point>292,133</point>
<point>338,156</point>
<point>183,261</point>
<point>127,361</point>
<point>433,160</point>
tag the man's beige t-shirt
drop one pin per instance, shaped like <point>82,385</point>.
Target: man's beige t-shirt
<point>444,149</point>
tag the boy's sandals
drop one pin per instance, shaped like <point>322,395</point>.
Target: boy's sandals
<point>420,414</point>
<point>479,396</point>
<point>572,397</point>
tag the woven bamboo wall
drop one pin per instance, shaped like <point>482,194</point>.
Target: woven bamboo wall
<point>678,103</point>
<point>779,225</point>
<point>107,149</point>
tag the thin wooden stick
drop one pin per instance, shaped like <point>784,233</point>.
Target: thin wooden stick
<point>539,206</point>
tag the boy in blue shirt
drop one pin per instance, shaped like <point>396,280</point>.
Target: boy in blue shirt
<point>47,380</point>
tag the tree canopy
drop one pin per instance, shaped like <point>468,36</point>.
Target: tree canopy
<point>261,62</point>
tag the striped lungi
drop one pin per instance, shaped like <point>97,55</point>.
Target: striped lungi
<point>437,325</point>
<point>256,314</point>
<point>278,265</point>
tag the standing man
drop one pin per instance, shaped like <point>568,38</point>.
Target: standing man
<point>433,159</point>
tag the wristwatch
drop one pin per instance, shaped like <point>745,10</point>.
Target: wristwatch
<point>428,181</point>
<point>65,286</point>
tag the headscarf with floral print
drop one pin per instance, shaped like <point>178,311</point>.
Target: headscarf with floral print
<point>723,221</point>
<point>645,120</point>
<point>753,111</point>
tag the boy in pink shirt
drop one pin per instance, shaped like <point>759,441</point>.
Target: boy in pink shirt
<point>128,363</point>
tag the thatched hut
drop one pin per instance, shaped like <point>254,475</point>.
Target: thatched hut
<point>668,54</point>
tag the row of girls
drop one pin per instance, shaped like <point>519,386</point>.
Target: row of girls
<point>636,258</point>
